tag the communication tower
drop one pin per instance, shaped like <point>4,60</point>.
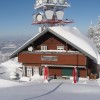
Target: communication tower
<point>50,13</point>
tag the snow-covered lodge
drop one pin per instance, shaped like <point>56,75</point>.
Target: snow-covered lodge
<point>60,49</point>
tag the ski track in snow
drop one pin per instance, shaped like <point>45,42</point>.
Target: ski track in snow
<point>54,90</point>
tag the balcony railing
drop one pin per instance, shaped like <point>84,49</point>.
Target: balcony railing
<point>52,52</point>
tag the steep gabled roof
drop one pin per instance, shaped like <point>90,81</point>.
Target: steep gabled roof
<point>70,35</point>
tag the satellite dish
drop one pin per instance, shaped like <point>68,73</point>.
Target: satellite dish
<point>39,17</point>
<point>49,14</point>
<point>40,2</point>
<point>55,1</point>
<point>62,2</point>
<point>60,15</point>
<point>30,48</point>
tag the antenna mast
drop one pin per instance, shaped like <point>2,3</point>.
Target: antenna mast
<point>50,13</point>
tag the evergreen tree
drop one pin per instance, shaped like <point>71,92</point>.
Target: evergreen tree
<point>91,31</point>
<point>98,26</point>
<point>94,34</point>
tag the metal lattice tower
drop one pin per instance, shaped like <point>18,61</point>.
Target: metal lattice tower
<point>50,13</point>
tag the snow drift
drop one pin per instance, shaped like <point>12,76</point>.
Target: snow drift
<point>10,69</point>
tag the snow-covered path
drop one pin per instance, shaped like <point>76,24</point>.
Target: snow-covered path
<point>54,90</point>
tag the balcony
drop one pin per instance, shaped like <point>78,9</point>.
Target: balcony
<point>58,57</point>
<point>52,52</point>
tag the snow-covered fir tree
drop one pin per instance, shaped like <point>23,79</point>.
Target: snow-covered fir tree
<point>98,26</point>
<point>94,33</point>
<point>91,31</point>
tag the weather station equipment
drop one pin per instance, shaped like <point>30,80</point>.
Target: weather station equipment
<point>50,13</point>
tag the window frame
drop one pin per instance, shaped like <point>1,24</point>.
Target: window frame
<point>44,47</point>
<point>60,47</point>
<point>29,71</point>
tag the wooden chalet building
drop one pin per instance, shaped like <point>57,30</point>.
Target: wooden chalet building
<point>60,49</point>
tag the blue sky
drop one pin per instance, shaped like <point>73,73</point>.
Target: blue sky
<point>16,16</point>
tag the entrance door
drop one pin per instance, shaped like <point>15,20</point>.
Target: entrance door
<point>82,72</point>
<point>67,71</point>
<point>29,71</point>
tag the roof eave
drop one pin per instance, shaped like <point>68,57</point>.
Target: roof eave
<point>16,52</point>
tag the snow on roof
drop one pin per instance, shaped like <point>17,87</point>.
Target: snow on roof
<point>70,35</point>
<point>73,36</point>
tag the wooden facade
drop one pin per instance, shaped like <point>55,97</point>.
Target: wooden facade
<point>58,59</point>
<point>59,56</point>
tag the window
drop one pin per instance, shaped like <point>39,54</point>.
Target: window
<point>43,47</point>
<point>60,47</point>
<point>29,71</point>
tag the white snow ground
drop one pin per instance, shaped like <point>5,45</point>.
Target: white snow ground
<point>38,90</point>
<point>54,90</point>
<point>8,83</point>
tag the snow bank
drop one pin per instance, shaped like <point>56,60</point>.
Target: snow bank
<point>9,67</point>
<point>80,78</point>
<point>6,83</point>
<point>25,79</point>
<point>11,64</point>
<point>39,79</point>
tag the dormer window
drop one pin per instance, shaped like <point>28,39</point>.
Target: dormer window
<point>60,47</point>
<point>43,47</point>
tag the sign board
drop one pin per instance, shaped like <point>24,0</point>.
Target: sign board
<point>49,58</point>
